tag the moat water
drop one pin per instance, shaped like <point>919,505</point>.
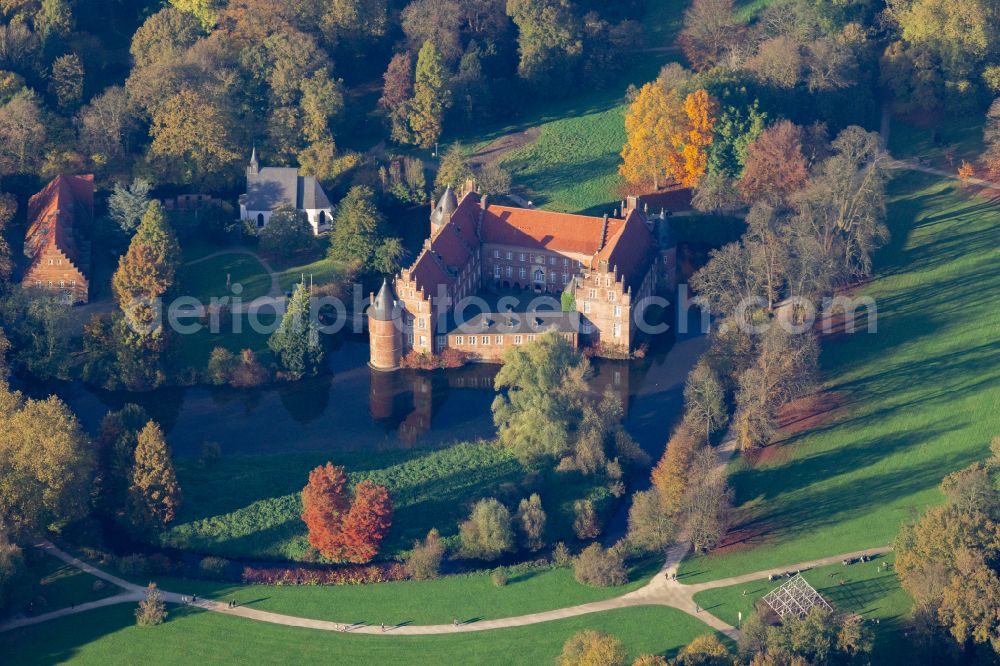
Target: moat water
<point>352,407</point>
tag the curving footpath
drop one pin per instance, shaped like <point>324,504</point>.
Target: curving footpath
<point>662,590</point>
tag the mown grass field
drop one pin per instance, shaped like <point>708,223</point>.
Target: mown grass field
<point>249,506</point>
<point>58,585</point>
<point>917,400</point>
<point>206,279</point>
<point>110,637</point>
<point>863,588</point>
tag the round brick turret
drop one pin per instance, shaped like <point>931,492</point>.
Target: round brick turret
<point>385,332</point>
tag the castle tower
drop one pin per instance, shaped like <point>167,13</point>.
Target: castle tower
<point>385,332</point>
<point>443,211</point>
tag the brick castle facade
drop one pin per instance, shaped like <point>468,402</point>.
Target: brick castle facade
<point>600,269</point>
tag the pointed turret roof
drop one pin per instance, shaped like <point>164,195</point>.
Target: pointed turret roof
<point>383,307</point>
<point>448,202</point>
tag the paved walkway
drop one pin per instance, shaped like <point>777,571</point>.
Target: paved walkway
<point>275,291</point>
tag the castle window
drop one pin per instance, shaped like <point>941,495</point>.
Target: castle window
<point>618,311</point>
<point>51,262</point>
<point>565,278</point>
<point>510,255</point>
<point>423,340</point>
<point>586,307</point>
<point>510,271</point>
<point>472,340</point>
<point>442,342</point>
<point>617,329</point>
<point>518,339</point>
<point>531,338</point>
<point>59,262</point>
<point>496,254</point>
<point>62,284</point>
<point>498,339</point>
<point>409,338</point>
<point>552,278</point>
<point>611,295</point>
<point>523,273</point>
<point>459,339</point>
<point>50,284</point>
<point>522,256</point>
<point>496,272</point>
<point>592,293</point>
<point>607,281</point>
<point>260,220</point>
<point>565,261</point>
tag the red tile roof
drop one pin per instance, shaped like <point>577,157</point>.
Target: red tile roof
<point>546,230</point>
<point>53,212</point>
<point>629,250</point>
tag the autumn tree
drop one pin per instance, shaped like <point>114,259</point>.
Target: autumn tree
<point>115,446</point>
<point>650,525</point>
<point>729,284</point>
<point>437,21</point>
<point>710,30</point>
<point>154,494</point>
<point>23,136</point>
<point>106,126</point>
<point>672,473</point>
<point>590,648</point>
<point>775,166</point>
<point>453,169</point>
<point>296,342</point>
<point>707,502</point>
<point>192,139</point>
<point>990,158</point>
<point>488,533</point>
<point>152,610</point>
<point>148,270</point>
<point>66,81</point>
<point>168,32</point>
<point>366,523</point>
<point>705,650</point>
<point>325,503</point>
<point>667,138</point>
<point>46,479</point>
<point>767,241</point>
<point>549,42</point>
<point>431,97</point>
<point>601,567</point>
<point>531,520</point>
<point>397,89</point>
<point>705,400</point>
<point>206,11</point>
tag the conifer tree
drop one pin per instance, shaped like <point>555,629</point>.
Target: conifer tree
<point>296,343</point>
<point>431,96</point>
<point>154,495</point>
<point>367,523</point>
<point>149,268</point>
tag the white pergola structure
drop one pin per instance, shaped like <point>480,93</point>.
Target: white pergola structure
<point>794,599</point>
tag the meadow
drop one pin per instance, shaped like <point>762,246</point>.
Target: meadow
<point>109,637</point>
<point>914,401</point>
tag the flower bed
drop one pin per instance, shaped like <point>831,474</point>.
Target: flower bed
<point>359,575</point>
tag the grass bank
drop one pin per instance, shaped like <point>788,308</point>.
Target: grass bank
<point>916,400</point>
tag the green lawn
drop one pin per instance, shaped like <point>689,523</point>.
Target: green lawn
<point>466,597</point>
<point>249,506</point>
<point>865,590</point>
<point>918,399</point>
<point>109,636</point>
<point>207,278</point>
<point>59,585</point>
<point>322,271</point>
<point>196,348</point>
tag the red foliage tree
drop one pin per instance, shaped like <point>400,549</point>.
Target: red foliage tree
<point>776,165</point>
<point>340,529</point>
<point>367,523</point>
<point>325,503</point>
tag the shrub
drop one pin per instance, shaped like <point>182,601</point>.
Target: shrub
<point>600,567</point>
<point>135,565</point>
<point>248,372</point>
<point>356,575</point>
<point>499,577</point>
<point>213,567</point>
<point>531,521</point>
<point>424,561</point>
<point>592,647</point>
<point>585,522</point>
<point>151,610</point>
<point>98,585</point>
<point>487,533</point>
<point>561,555</point>
<point>161,564</point>
<point>220,366</point>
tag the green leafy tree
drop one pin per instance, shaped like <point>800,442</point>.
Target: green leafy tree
<point>206,11</point>
<point>358,228</point>
<point>488,532</point>
<point>127,205</point>
<point>531,521</point>
<point>601,567</point>
<point>152,609</point>
<point>590,648</point>
<point>296,343</point>
<point>453,169</point>
<point>424,561</point>
<point>431,97</point>
<point>650,525</point>
<point>287,232</point>
<point>154,494</point>
<point>538,397</point>
<point>165,34</point>
<point>549,42</point>
<point>705,400</point>
<point>192,139</point>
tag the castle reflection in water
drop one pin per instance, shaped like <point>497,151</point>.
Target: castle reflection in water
<point>408,400</point>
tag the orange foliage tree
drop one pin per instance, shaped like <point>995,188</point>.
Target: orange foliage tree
<point>667,136</point>
<point>339,528</point>
<point>367,523</point>
<point>670,476</point>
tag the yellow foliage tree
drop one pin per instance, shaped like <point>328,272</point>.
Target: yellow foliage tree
<point>667,136</point>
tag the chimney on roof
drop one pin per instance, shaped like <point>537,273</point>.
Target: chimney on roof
<point>604,233</point>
